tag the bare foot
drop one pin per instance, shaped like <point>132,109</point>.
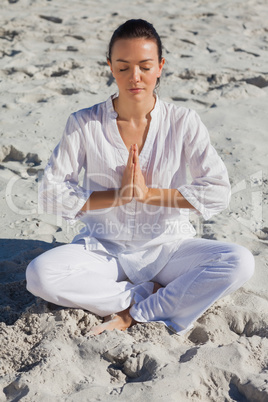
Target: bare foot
<point>108,318</point>
<point>121,321</point>
<point>157,286</point>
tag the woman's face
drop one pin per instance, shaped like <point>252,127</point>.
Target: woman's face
<point>135,67</point>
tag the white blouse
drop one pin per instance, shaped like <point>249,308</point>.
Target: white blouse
<point>142,237</point>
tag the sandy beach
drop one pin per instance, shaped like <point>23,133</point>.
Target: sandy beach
<point>52,63</point>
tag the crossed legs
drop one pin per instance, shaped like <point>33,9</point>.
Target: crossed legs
<point>200,272</point>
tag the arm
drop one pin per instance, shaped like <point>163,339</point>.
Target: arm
<point>209,191</point>
<point>166,197</point>
<point>114,198</point>
<point>133,185</point>
<point>59,192</point>
<point>102,199</point>
<point>156,196</point>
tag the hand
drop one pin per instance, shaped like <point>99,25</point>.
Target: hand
<point>126,191</point>
<point>140,190</point>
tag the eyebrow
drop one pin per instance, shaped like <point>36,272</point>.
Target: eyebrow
<point>142,61</point>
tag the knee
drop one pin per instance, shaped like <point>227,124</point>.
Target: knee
<point>244,263</point>
<point>35,278</point>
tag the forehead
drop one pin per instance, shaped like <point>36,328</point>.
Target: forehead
<point>135,48</point>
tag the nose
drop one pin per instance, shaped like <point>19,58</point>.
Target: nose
<point>135,74</point>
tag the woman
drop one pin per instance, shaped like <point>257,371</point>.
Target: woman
<point>136,259</point>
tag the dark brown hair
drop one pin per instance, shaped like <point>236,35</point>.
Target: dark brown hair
<point>133,29</point>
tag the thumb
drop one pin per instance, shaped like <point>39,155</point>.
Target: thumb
<point>136,156</point>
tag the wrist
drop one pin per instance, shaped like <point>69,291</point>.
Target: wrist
<point>153,196</point>
<point>123,196</point>
<point>145,196</point>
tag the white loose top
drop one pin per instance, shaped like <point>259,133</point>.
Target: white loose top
<point>142,237</point>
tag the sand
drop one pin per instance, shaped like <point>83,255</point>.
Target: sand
<point>52,62</point>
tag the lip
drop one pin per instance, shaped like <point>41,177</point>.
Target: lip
<point>135,90</point>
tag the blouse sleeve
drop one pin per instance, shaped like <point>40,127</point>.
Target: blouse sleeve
<point>59,192</point>
<point>210,189</point>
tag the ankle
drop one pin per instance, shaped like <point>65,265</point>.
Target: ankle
<point>157,286</point>
<point>127,318</point>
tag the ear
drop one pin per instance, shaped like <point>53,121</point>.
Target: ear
<point>110,65</point>
<point>161,65</point>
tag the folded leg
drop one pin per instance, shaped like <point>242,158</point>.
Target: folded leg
<point>72,276</point>
<point>200,272</point>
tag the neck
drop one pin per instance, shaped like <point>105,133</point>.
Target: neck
<point>133,110</point>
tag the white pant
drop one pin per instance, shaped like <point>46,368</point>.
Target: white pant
<point>199,273</point>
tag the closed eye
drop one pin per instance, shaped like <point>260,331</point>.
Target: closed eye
<point>142,68</point>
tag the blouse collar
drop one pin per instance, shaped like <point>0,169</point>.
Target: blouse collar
<point>113,113</point>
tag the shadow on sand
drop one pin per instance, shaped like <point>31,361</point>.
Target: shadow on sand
<point>15,255</point>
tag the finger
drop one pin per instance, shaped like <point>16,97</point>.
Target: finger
<point>132,171</point>
<point>130,156</point>
<point>136,155</point>
<point>137,170</point>
<point>137,181</point>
